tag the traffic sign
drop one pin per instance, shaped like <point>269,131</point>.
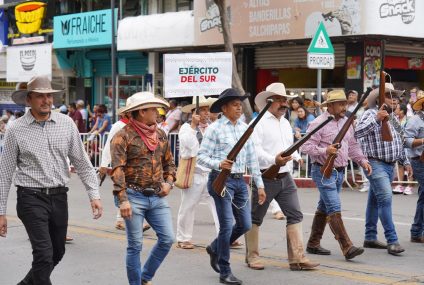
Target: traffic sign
<point>321,51</point>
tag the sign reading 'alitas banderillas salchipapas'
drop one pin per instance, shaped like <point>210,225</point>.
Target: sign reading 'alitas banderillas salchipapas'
<point>194,74</point>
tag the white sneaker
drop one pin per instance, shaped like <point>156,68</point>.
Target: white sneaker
<point>398,189</point>
<point>407,191</point>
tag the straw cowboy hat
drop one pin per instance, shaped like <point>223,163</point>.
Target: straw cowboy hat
<point>226,96</point>
<point>144,100</point>
<point>39,84</point>
<point>418,105</point>
<point>276,88</point>
<point>388,88</point>
<point>131,101</point>
<point>203,102</point>
<point>334,96</point>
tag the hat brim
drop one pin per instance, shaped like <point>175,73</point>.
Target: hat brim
<point>216,106</point>
<point>260,99</point>
<point>152,103</point>
<point>325,103</point>
<point>189,108</point>
<point>372,98</point>
<point>19,96</point>
<point>418,105</point>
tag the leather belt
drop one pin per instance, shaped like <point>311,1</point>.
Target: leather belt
<point>387,162</point>
<point>338,169</point>
<point>46,191</point>
<point>279,175</point>
<point>146,191</point>
<point>232,175</point>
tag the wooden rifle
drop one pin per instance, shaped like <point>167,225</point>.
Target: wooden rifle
<point>327,168</point>
<point>386,134</point>
<point>219,183</point>
<point>272,171</point>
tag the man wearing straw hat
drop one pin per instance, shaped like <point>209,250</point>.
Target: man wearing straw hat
<point>272,135</point>
<point>143,172</point>
<point>414,141</point>
<point>382,156</point>
<point>319,147</point>
<point>190,136</point>
<point>38,145</point>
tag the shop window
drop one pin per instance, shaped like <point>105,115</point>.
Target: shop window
<point>184,5</point>
<point>127,87</point>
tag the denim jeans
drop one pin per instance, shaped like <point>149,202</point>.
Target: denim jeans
<point>379,203</point>
<point>417,228</point>
<point>158,214</point>
<point>227,213</point>
<point>329,190</point>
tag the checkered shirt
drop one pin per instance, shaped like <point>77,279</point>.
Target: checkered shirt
<point>39,156</point>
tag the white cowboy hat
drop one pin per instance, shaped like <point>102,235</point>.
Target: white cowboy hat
<point>145,100</point>
<point>276,88</point>
<point>39,84</point>
<point>131,101</point>
<point>334,96</point>
<point>388,88</point>
<point>203,102</point>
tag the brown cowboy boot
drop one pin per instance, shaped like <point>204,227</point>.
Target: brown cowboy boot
<point>318,226</point>
<point>252,248</point>
<point>295,252</point>
<point>337,227</point>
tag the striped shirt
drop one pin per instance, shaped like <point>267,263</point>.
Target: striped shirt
<point>39,155</point>
<point>368,132</point>
<point>220,137</point>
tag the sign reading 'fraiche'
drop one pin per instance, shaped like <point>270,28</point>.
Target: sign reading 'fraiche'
<point>194,74</point>
<point>83,29</point>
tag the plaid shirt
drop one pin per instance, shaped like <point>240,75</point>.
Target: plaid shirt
<point>219,139</point>
<point>39,156</point>
<point>368,132</point>
<point>133,162</point>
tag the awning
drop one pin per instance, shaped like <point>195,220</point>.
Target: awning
<point>156,31</point>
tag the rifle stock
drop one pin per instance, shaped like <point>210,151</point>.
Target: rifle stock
<point>422,157</point>
<point>327,168</point>
<point>386,134</point>
<point>272,171</point>
<point>219,183</point>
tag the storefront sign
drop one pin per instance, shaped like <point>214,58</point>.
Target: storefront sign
<point>24,62</point>
<point>84,29</point>
<point>353,64</point>
<point>194,74</point>
<point>372,64</point>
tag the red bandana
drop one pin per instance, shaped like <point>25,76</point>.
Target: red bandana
<point>147,133</point>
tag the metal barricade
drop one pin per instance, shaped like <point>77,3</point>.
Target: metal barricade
<point>175,146</point>
<point>1,142</point>
<point>93,145</point>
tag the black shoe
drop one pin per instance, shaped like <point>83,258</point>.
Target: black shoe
<point>318,250</point>
<point>354,251</point>
<point>214,259</point>
<point>417,239</point>
<point>230,279</point>
<point>395,249</point>
<point>374,244</point>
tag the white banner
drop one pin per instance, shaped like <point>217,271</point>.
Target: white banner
<point>194,74</point>
<point>24,62</point>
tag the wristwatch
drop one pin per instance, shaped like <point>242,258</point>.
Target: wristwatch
<point>170,184</point>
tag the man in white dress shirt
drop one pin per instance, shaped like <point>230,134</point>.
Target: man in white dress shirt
<point>190,136</point>
<point>272,135</point>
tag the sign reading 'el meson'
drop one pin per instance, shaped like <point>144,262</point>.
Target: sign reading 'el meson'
<point>83,29</point>
<point>194,74</point>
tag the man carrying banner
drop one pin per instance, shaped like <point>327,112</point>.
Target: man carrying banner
<point>318,147</point>
<point>272,135</point>
<point>219,139</point>
<point>190,136</point>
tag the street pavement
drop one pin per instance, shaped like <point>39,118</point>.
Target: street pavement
<point>97,254</point>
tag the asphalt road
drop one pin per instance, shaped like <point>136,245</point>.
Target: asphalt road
<point>97,255</point>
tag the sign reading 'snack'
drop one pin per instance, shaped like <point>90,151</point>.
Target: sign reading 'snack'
<point>194,74</point>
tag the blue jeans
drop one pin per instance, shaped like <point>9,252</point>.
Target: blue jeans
<point>417,228</point>
<point>379,203</point>
<point>227,213</point>
<point>329,190</point>
<point>158,214</point>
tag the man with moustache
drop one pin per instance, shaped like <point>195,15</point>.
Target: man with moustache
<point>219,139</point>
<point>382,155</point>
<point>319,147</point>
<point>272,135</point>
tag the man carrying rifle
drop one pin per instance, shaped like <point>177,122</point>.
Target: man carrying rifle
<point>218,141</point>
<point>382,156</point>
<point>319,147</point>
<point>272,135</point>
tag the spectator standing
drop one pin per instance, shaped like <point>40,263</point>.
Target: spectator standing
<point>80,107</point>
<point>103,121</point>
<point>301,123</point>
<point>352,101</point>
<point>173,117</point>
<point>295,103</point>
<point>161,121</point>
<point>77,117</point>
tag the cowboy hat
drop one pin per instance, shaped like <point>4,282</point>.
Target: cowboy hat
<point>334,96</point>
<point>203,102</point>
<point>130,102</point>
<point>388,88</point>
<point>276,88</point>
<point>418,105</point>
<point>145,100</point>
<point>39,84</point>
<point>226,96</point>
